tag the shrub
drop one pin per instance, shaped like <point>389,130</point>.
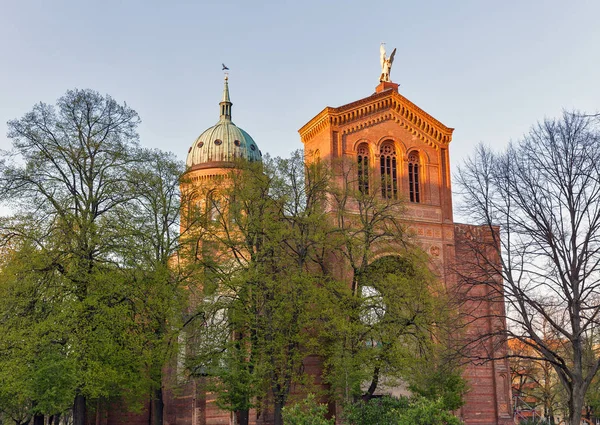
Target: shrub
<point>441,384</point>
<point>377,411</point>
<point>306,412</point>
<point>400,411</point>
<point>423,411</point>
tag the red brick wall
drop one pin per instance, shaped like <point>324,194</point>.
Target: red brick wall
<point>489,398</point>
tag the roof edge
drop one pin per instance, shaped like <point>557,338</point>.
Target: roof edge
<point>375,103</point>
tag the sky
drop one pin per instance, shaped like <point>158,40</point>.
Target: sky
<point>489,69</point>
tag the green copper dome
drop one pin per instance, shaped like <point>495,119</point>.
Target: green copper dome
<point>223,142</point>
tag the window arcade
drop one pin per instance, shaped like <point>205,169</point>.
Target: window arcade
<point>389,175</point>
<point>413,177</point>
<point>363,168</point>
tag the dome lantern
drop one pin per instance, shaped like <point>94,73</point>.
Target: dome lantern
<point>225,103</point>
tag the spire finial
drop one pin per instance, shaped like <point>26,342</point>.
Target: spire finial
<point>226,89</point>
<point>225,104</point>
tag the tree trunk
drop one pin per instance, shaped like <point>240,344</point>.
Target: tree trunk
<point>79,410</point>
<point>38,419</point>
<point>277,411</point>
<point>56,419</point>
<point>157,407</point>
<point>374,381</point>
<point>576,405</point>
<point>242,417</point>
<point>98,412</point>
<point>550,416</point>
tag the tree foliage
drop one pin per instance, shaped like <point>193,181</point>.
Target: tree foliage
<point>100,288</point>
<point>259,295</point>
<point>396,322</point>
<point>90,236</point>
<point>270,243</point>
<point>400,411</point>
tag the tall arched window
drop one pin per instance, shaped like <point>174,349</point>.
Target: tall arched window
<point>413,177</point>
<point>389,176</point>
<point>363,168</point>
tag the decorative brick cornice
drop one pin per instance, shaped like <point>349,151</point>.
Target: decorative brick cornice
<point>377,108</point>
<point>317,124</point>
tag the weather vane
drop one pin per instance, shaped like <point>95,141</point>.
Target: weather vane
<point>225,68</point>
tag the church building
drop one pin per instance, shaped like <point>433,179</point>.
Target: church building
<point>401,151</point>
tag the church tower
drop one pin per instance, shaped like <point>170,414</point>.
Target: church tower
<point>210,161</point>
<point>402,152</point>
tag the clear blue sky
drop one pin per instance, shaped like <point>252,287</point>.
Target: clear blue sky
<point>490,69</point>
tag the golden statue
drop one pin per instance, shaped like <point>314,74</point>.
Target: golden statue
<point>386,64</point>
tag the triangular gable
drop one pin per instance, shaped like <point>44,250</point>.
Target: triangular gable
<point>379,107</point>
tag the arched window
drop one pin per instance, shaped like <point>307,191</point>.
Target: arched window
<point>389,176</point>
<point>414,187</point>
<point>317,156</point>
<point>212,209</point>
<point>363,168</point>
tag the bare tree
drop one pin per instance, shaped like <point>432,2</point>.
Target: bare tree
<point>538,203</point>
<point>535,381</point>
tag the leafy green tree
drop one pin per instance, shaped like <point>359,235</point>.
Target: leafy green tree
<point>376,411</point>
<point>397,321</point>
<point>442,382</point>
<point>37,355</point>
<point>92,230</point>
<point>150,239</point>
<point>269,241</point>
<point>260,295</point>
<point>33,369</point>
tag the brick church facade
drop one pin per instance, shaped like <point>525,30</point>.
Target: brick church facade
<point>395,141</point>
<point>392,141</point>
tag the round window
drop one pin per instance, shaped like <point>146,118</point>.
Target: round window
<point>218,142</point>
<point>200,144</point>
<point>236,142</point>
<point>253,147</point>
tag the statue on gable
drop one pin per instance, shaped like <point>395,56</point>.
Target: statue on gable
<point>386,64</point>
